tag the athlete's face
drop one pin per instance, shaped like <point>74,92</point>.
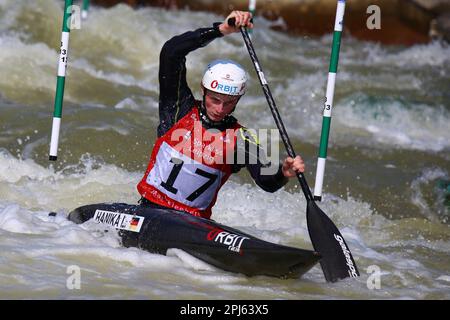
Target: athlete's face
<point>218,105</point>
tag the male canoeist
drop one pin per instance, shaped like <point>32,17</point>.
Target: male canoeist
<point>199,140</point>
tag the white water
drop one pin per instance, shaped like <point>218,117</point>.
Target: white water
<point>384,96</point>
<point>38,249</point>
<point>389,99</point>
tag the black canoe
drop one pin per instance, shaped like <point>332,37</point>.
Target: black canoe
<point>156,230</point>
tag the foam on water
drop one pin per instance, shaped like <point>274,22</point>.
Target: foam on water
<point>389,98</point>
<point>30,237</point>
<point>119,48</point>
<point>434,54</point>
<point>391,122</point>
<point>26,183</point>
<point>433,210</point>
<point>21,65</point>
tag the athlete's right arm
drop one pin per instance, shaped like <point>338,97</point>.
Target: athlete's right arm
<point>175,98</point>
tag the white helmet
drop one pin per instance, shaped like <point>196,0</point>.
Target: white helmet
<point>226,77</point>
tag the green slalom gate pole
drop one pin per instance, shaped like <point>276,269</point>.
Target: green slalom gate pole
<point>84,12</point>
<point>326,121</point>
<point>60,80</point>
<point>252,9</point>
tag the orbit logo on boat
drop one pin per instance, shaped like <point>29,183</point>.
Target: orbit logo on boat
<point>233,241</point>
<point>119,220</point>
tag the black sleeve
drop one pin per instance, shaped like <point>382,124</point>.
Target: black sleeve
<point>250,154</point>
<point>175,97</point>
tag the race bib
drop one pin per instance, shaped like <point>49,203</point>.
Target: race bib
<point>184,179</point>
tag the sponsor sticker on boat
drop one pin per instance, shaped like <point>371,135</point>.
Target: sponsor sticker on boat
<point>232,241</point>
<point>119,220</point>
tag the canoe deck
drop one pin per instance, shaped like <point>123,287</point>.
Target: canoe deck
<point>156,230</point>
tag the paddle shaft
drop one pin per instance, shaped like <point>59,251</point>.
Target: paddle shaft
<point>273,108</point>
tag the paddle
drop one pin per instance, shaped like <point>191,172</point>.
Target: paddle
<point>337,261</point>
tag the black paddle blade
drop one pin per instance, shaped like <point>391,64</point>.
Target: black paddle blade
<point>337,261</point>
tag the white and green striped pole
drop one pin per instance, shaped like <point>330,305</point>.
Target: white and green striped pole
<point>60,80</point>
<point>326,121</point>
<point>252,9</point>
<point>84,12</point>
